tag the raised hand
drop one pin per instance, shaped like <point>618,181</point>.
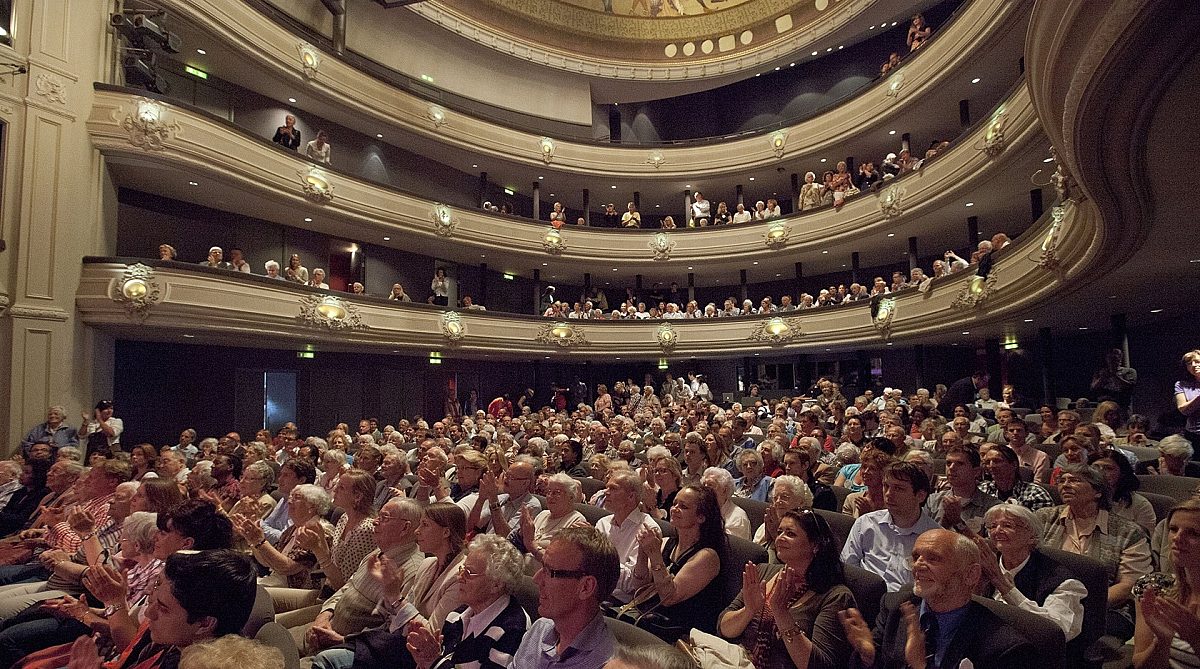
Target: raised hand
<point>649,540</point>
<point>488,487</point>
<point>249,529</point>
<point>951,511</point>
<point>527,533</point>
<point>84,654</point>
<point>81,520</point>
<point>914,647</point>
<point>753,589</point>
<point>858,634</point>
<point>107,584</point>
<point>787,585</point>
<point>381,568</point>
<point>424,645</point>
<point>313,540</point>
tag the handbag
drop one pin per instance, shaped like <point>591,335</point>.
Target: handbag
<point>641,611</point>
<point>711,652</point>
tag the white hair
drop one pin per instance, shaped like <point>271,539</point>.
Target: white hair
<point>271,264</point>
<point>721,478</point>
<point>800,490</point>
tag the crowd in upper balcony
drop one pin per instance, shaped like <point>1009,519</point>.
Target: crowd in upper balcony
<point>781,525</point>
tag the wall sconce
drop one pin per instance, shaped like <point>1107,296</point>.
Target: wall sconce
<point>662,245</point>
<point>310,59</point>
<point>894,85</point>
<point>776,236</point>
<point>667,337</point>
<point>777,330</point>
<point>443,220</point>
<point>553,242</point>
<point>137,290</point>
<point>145,125</point>
<point>546,147</point>
<point>779,142</point>
<point>316,186</point>
<point>437,115</point>
<point>993,141</point>
<point>331,312</point>
<point>561,334</point>
<point>453,327</point>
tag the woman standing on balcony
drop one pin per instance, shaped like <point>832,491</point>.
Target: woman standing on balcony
<point>440,286</point>
<point>918,32</point>
<point>318,149</point>
<point>810,193</point>
<point>287,135</point>
<point>296,272</point>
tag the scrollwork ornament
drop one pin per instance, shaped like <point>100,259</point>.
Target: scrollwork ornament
<point>546,149</point>
<point>889,201</point>
<point>310,59</point>
<point>137,290</point>
<point>776,330</point>
<point>975,293</point>
<point>436,115</point>
<point>993,140</point>
<point>330,312</point>
<point>776,237</point>
<point>779,143</point>
<point>453,327</point>
<point>553,242</point>
<point>894,85</point>
<point>146,127</point>
<point>882,315</point>
<point>563,335</point>
<point>316,186</point>
<point>1049,258</point>
<point>443,220</point>
<point>661,245</point>
<point>51,88</point>
<point>667,337</point>
<point>656,159</point>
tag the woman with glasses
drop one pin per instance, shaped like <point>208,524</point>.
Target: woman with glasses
<point>294,580</point>
<point>256,502</point>
<point>469,466</point>
<point>1023,576</point>
<point>668,478</point>
<point>534,534</point>
<point>1126,502</point>
<point>787,613</point>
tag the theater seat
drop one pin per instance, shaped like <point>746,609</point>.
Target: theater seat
<point>839,523</point>
<point>590,486</point>
<point>1162,503</point>
<point>841,493</point>
<point>632,637</point>
<point>754,510</point>
<point>868,589</point>
<point>592,513</point>
<point>261,613</point>
<point>276,636</point>
<point>1045,636</point>
<point>1177,487</point>
<point>741,551</point>
<point>1094,576</point>
<point>526,594</point>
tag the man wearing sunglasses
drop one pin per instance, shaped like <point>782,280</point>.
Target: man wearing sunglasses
<point>579,570</point>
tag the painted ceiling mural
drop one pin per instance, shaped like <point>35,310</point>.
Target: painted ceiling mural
<point>656,8</point>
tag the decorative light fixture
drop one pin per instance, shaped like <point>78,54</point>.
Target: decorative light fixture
<point>146,126</point>
<point>889,201</point>
<point>437,115</point>
<point>137,290</point>
<point>561,334</point>
<point>777,330</point>
<point>993,140</point>
<point>331,312</point>
<point>779,142</point>
<point>453,327</point>
<point>667,336</point>
<point>310,59</point>
<point>656,159</point>
<point>546,147</point>
<point>976,292</point>
<point>553,242</point>
<point>662,245</point>
<point>776,236</point>
<point>1049,258</point>
<point>443,220</point>
<point>316,186</point>
<point>882,312</point>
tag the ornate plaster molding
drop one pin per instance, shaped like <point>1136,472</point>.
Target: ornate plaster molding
<point>330,312</point>
<point>562,334</point>
<point>50,87</point>
<point>553,241</point>
<point>889,201</point>
<point>882,313</point>
<point>453,327</point>
<point>137,290</point>
<point>975,293</point>
<point>776,236</point>
<point>666,336</point>
<point>310,59</point>
<point>776,330</point>
<point>662,245</point>
<point>146,124</point>
<point>443,220</point>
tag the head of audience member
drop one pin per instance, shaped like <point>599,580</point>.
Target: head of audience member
<point>42,451</point>
<point>1001,463</point>
<point>963,469</point>
<point>905,488</point>
<point>579,570</point>
<point>201,595</point>
<point>1085,489</point>
<point>1118,472</point>
<point>1014,531</point>
<point>217,653</point>
<point>491,569</point>
<point>156,496</point>
<point>623,493</point>
<point>63,475</point>
<point>874,465</point>
<point>396,523</point>
<point>518,478</point>
<point>750,464</point>
<point>650,657</point>
<point>1075,450</point>
<point>790,493</point>
<point>720,481</point>
<point>355,492</point>
<point>562,492</point>
<point>945,569</point>
<point>294,472</point>
<point>1068,421</point>
<point>1174,452</point>
<point>698,512</point>
<point>194,524</point>
<point>256,479</point>
<point>1017,434</point>
<point>806,543</point>
<point>441,530</point>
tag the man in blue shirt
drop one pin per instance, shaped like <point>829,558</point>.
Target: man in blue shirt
<point>579,570</point>
<point>54,431</point>
<point>936,623</point>
<point>880,541</point>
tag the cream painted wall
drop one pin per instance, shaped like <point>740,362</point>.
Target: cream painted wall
<point>54,213</point>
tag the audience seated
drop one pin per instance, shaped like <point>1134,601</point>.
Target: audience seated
<point>880,541</point>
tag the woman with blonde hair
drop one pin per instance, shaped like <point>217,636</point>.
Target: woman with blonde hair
<point>1167,631</point>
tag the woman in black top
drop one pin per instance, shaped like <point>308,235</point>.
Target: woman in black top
<point>26,499</point>
<point>287,134</point>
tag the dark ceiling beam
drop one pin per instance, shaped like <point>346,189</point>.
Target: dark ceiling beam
<point>335,7</point>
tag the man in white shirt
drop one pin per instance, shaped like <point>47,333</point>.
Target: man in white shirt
<point>238,260</point>
<point>622,497</point>
<point>1030,456</point>
<point>106,428</point>
<point>700,209</point>
<point>881,541</point>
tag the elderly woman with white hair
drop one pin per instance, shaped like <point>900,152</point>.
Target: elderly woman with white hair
<point>535,533</point>
<point>790,493</point>
<point>753,484</point>
<point>720,481</point>
<point>1023,576</point>
<point>295,577</point>
<point>1174,458</point>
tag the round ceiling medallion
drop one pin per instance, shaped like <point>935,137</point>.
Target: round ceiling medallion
<point>747,37</point>
<point>671,50</point>
<point>706,46</point>
<point>689,48</point>
<point>822,5</point>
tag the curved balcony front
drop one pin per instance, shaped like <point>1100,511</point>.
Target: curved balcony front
<point>197,144</point>
<point>985,29</point>
<point>178,302</point>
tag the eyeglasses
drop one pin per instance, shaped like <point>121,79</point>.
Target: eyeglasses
<point>564,573</point>
<point>465,571</point>
<point>1003,525</point>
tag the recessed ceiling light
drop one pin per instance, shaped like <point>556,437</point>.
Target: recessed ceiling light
<point>814,53</point>
<point>893,23</point>
<point>482,255</point>
<point>614,269</point>
<point>689,266</point>
<point>841,46</point>
<point>828,349</point>
<point>824,251</point>
<point>687,185</point>
<point>387,239</point>
<point>614,187</point>
<point>552,195</point>
<point>188,336</point>
<point>777,68</point>
<point>1082,327</point>
<point>752,178</point>
<point>975,80</point>
<point>308,219</point>
<point>824,160</point>
<point>1047,160</point>
<point>829,49</point>
<point>193,183</point>
<point>891,234</point>
<point>889,343</point>
<point>292,100</point>
<point>778,274</point>
<point>1194,260</point>
<point>540,177</point>
<point>544,264</point>
<point>657,206</point>
<point>379,135</point>
<point>1156,311</point>
<point>966,332</point>
<point>473,166</point>
<point>1028,320</point>
<point>755,262</point>
<point>970,204</point>
<point>891,132</point>
<point>202,52</point>
<point>756,354</point>
<point>871,28</point>
<point>791,65</point>
<point>758,74</point>
<point>1112,297</point>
